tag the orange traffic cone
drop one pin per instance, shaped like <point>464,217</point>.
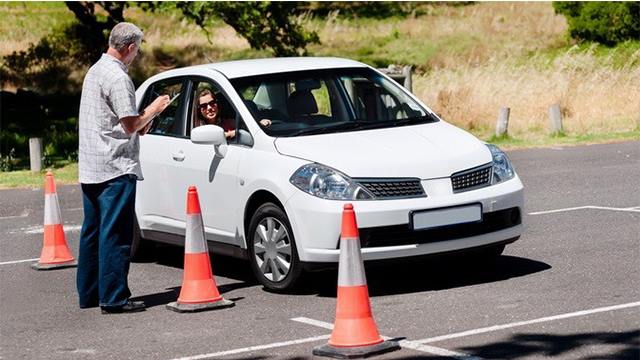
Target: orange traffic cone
<point>355,334</point>
<point>199,291</point>
<point>55,252</point>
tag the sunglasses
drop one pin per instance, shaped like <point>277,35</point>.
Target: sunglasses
<point>211,103</point>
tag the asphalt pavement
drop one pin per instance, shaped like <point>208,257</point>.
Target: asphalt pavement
<point>568,289</point>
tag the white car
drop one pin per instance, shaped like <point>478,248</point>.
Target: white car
<point>340,132</point>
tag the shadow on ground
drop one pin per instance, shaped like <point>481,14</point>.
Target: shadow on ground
<point>536,346</point>
<point>552,345</point>
<point>388,278</point>
<point>429,274</point>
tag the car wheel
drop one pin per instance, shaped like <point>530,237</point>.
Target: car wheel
<point>272,250</point>
<point>141,249</point>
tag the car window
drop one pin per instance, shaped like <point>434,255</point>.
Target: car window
<point>170,121</point>
<point>210,105</point>
<point>324,101</point>
<point>371,101</point>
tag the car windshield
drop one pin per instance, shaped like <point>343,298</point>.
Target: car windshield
<point>328,101</point>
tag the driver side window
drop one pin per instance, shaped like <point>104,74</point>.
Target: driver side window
<point>170,121</point>
<point>212,107</point>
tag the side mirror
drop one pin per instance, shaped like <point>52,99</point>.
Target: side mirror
<point>210,135</point>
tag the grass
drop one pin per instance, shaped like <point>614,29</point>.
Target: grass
<point>511,143</point>
<point>26,22</point>
<point>65,174</point>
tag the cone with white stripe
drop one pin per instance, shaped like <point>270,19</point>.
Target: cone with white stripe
<point>199,291</point>
<point>355,334</point>
<point>55,252</point>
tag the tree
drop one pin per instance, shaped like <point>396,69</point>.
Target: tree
<point>605,22</point>
<point>265,25</point>
<point>91,34</point>
<point>47,65</point>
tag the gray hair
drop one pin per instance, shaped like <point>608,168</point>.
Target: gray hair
<point>123,34</point>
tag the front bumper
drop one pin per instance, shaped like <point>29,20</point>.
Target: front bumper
<point>316,222</point>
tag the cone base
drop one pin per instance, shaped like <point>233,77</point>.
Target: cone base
<point>62,265</point>
<point>182,307</point>
<point>355,352</point>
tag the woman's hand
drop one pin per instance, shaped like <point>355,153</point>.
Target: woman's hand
<point>230,134</point>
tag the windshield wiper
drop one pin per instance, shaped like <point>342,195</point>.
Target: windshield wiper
<point>360,124</point>
<point>349,125</point>
<point>428,118</point>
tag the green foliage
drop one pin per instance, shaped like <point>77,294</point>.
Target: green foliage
<point>50,117</point>
<point>47,65</point>
<point>7,163</point>
<point>608,23</point>
<point>44,66</point>
<point>265,25</point>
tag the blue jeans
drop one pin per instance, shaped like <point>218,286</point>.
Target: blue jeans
<point>105,242</point>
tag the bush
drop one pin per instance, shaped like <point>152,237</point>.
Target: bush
<point>7,163</point>
<point>51,117</point>
<point>605,22</point>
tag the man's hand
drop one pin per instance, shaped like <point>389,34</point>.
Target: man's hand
<point>159,104</point>
<point>135,124</point>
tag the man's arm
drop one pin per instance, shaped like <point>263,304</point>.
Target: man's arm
<point>133,124</point>
<point>145,129</point>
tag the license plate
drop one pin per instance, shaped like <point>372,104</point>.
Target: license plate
<point>428,219</point>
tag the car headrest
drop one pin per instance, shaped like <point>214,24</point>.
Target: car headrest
<point>307,84</point>
<point>301,103</point>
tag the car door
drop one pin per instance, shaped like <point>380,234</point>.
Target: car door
<point>216,177</point>
<point>161,156</point>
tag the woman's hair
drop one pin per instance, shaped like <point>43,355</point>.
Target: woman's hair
<point>200,118</point>
<point>205,92</point>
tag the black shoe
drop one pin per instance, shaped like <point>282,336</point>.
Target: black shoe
<point>130,306</point>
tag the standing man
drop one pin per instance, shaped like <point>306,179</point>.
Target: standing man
<point>109,126</point>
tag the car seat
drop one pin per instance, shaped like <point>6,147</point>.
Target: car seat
<point>301,104</point>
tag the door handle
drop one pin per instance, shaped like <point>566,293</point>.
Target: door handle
<point>178,156</point>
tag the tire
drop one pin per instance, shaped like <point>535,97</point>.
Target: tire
<point>141,249</point>
<point>274,262</point>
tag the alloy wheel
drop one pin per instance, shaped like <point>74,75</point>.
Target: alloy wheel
<point>272,249</point>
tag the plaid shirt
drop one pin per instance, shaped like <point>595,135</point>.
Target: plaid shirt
<point>106,150</point>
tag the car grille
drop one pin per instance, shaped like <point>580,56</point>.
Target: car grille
<point>403,235</point>
<point>393,188</point>
<point>471,179</point>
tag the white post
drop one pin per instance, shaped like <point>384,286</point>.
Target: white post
<point>555,118</point>
<point>408,82</point>
<point>35,154</point>
<point>503,122</point>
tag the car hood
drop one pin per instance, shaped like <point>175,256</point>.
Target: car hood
<point>426,151</point>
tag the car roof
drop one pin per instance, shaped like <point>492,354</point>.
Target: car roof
<point>242,68</point>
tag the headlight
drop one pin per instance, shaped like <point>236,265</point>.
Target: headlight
<point>502,170</point>
<point>327,183</point>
